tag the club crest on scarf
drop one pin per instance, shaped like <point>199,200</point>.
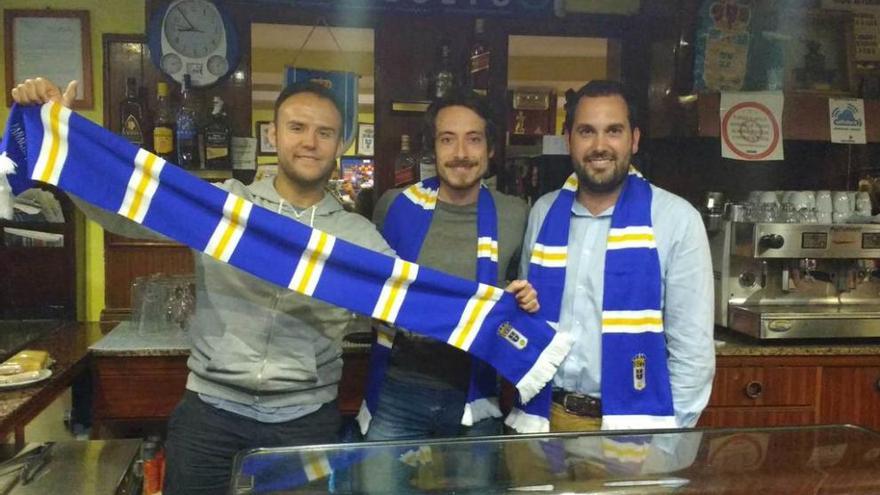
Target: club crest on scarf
<point>510,334</point>
<point>639,361</point>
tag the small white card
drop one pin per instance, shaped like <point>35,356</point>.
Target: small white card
<point>847,120</point>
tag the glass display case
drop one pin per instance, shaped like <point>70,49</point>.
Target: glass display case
<point>823,459</point>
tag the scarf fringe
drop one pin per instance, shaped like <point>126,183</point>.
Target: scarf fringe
<point>364,417</point>
<point>480,409</point>
<point>544,368</point>
<point>523,422</point>
<point>7,166</point>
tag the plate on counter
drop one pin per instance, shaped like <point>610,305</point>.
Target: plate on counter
<point>13,381</point>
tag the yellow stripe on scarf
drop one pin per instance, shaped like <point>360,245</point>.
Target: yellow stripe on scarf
<point>55,133</point>
<point>630,237</point>
<point>472,317</point>
<point>146,176</point>
<point>631,322</point>
<point>395,290</point>
<point>313,260</point>
<point>234,221</point>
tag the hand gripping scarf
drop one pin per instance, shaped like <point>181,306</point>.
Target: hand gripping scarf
<point>51,144</point>
<point>405,228</point>
<point>636,393</point>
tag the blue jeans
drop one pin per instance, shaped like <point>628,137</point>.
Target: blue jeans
<point>409,410</point>
<point>203,440</point>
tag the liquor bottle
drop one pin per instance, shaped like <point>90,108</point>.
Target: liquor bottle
<point>131,113</point>
<point>427,162</point>
<point>163,125</point>
<point>479,61</point>
<point>187,128</point>
<point>217,138</point>
<point>405,164</point>
<point>443,79</point>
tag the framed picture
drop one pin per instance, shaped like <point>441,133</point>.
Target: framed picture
<point>55,44</point>
<point>366,139</point>
<point>818,52</point>
<point>264,146</point>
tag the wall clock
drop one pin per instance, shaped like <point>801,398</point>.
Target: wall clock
<point>193,37</point>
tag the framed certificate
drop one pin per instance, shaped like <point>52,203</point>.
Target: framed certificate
<point>54,44</point>
<point>366,139</point>
<point>264,146</point>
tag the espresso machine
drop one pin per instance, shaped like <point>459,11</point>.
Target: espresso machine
<point>795,280</point>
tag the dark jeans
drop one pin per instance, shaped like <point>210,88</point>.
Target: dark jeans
<point>411,410</point>
<point>203,440</point>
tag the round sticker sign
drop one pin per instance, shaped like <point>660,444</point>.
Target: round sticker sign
<point>750,130</point>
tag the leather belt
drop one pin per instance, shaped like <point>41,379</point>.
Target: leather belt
<point>578,404</point>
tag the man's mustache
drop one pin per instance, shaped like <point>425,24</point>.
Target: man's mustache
<point>460,163</point>
<point>601,156</point>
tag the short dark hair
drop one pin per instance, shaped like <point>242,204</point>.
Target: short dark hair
<point>309,87</point>
<point>599,87</point>
<point>459,98</point>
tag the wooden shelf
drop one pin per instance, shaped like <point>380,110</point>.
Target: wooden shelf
<point>804,117</point>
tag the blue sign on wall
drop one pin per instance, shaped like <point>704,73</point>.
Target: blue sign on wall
<point>510,8</point>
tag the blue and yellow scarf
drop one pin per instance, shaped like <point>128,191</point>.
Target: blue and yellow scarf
<point>405,227</point>
<point>636,391</point>
<point>51,144</point>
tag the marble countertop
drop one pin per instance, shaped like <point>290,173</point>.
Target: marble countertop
<point>126,340</point>
<point>728,343</point>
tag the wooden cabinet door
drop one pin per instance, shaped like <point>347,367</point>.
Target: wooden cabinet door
<point>738,417</point>
<point>762,396</point>
<point>851,395</point>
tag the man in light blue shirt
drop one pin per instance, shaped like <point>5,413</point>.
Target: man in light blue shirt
<point>602,138</point>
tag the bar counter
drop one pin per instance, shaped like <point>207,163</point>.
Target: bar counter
<point>77,346</point>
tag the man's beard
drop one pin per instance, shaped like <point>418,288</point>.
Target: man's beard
<point>608,185</point>
<point>457,163</point>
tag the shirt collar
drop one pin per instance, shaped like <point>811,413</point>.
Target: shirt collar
<point>579,210</point>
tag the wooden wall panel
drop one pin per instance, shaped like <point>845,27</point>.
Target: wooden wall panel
<point>126,259</point>
<point>851,395</point>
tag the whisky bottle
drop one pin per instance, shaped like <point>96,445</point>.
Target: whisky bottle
<point>187,128</point>
<point>163,125</point>
<point>131,112</point>
<point>405,164</point>
<point>479,61</point>
<point>443,79</point>
<point>217,138</point>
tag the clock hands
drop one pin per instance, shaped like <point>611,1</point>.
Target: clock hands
<point>191,28</point>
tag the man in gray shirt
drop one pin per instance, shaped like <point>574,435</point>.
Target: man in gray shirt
<point>455,224</point>
<point>266,361</point>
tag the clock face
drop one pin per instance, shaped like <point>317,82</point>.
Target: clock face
<point>194,28</point>
<point>217,65</point>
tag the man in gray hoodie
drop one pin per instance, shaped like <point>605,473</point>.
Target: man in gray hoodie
<point>265,361</point>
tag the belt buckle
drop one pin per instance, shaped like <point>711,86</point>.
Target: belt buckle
<point>572,410</point>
